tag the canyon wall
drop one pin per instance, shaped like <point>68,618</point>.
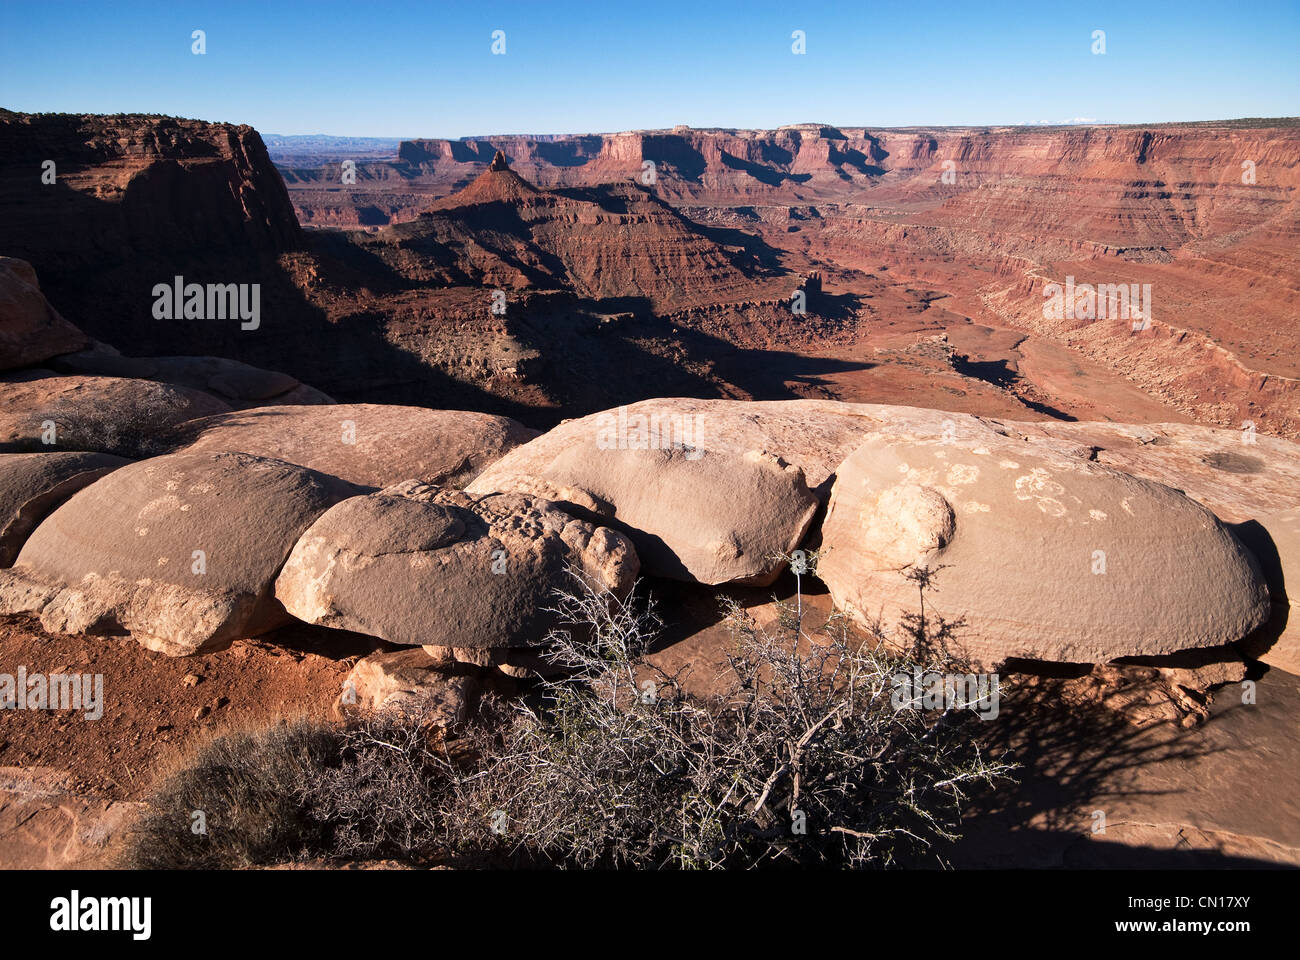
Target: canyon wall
<point>940,231</point>
<point>810,162</point>
<point>1205,214</point>
<point>106,207</point>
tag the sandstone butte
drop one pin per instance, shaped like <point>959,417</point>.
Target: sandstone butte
<point>1023,208</point>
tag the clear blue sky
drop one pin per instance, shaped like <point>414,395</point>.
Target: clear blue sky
<point>426,69</point>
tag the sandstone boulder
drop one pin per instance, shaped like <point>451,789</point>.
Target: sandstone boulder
<point>1032,553</point>
<point>710,491</point>
<point>521,663</point>
<point>33,484</point>
<point>408,684</point>
<point>31,330</point>
<point>1142,695</point>
<point>417,564</point>
<point>1249,479</point>
<point>107,414</point>
<point>181,551</point>
<point>814,435</point>
<point>364,443</point>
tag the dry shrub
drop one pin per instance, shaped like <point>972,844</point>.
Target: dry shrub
<point>801,760</point>
<point>297,791</point>
<point>381,800</point>
<point>136,426</point>
<point>247,787</point>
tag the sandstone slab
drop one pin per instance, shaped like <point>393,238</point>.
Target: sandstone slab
<point>45,824</point>
<point>364,443</point>
<point>417,564</point>
<point>237,384</point>
<point>1238,474</point>
<point>181,551</point>
<point>34,484</point>
<point>43,412</point>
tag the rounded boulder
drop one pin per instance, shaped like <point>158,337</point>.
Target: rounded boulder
<point>180,551</point>
<point>997,550</point>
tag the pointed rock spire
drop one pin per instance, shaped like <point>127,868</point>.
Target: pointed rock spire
<point>498,183</point>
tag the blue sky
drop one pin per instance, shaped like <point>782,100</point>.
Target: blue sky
<point>426,69</point>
